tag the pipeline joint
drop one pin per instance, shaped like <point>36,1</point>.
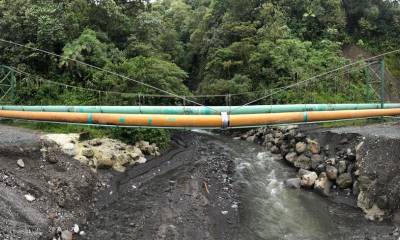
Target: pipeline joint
<point>225,120</point>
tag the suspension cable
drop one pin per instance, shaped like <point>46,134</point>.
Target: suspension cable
<point>42,79</point>
<point>320,75</point>
<point>103,70</point>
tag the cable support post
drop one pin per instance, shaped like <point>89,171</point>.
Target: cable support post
<point>230,103</point>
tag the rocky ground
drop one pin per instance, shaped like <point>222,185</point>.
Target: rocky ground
<point>39,198</point>
<point>359,162</point>
<point>102,153</point>
<point>61,186</point>
<point>186,194</point>
<point>47,194</point>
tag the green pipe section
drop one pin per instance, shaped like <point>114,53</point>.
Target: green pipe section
<point>201,110</point>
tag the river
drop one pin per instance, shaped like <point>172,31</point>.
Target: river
<point>269,210</point>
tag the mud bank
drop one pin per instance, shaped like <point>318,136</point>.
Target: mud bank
<point>186,193</point>
<point>59,193</point>
<point>378,165</point>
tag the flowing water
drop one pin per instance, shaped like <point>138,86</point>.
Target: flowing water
<point>269,210</point>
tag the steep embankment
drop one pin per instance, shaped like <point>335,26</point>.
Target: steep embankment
<point>36,196</point>
<point>360,163</point>
<point>392,82</point>
<point>378,163</point>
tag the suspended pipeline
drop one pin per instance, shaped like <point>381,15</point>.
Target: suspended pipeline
<point>202,110</point>
<point>224,120</point>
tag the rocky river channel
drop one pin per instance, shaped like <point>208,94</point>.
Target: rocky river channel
<point>207,186</point>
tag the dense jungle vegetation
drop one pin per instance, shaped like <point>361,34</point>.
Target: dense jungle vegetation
<point>189,46</point>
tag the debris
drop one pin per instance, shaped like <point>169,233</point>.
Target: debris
<point>76,228</point>
<point>66,235</point>
<point>20,163</point>
<point>206,187</point>
<point>29,197</point>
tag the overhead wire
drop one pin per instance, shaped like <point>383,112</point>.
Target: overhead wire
<point>186,98</point>
<point>41,79</point>
<point>319,76</point>
<point>103,70</point>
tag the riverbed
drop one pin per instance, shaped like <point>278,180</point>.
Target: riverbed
<point>206,186</point>
<point>269,210</point>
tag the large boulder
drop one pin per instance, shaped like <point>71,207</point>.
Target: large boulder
<point>301,147</point>
<point>291,157</point>
<point>98,153</point>
<point>141,160</point>
<point>303,162</point>
<point>316,160</point>
<point>323,185</point>
<point>331,172</point>
<point>344,180</point>
<point>303,172</point>
<point>66,142</point>
<point>308,180</point>
<point>314,147</point>
<point>371,210</point>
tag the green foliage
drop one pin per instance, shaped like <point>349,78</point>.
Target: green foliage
<point>130,136</point>
<point>159,136</point>
<point>207,46</point>
<point>149,70</point>
<point>90,49</point>
<point>238,84</point>
<point>393,64</point>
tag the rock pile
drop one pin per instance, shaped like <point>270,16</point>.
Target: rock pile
<point>99,153</point>
<point>319,169</point>
<point>68,234</point>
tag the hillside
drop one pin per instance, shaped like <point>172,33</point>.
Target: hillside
<point>392,85</point>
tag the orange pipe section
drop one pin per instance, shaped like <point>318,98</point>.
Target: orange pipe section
<point>151,120</point>
<point>154,120</point>
<point>196,121</point>
<point>298,117</point>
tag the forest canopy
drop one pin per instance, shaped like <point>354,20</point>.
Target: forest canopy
<point>242,48</point>
<point>188,46</point>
